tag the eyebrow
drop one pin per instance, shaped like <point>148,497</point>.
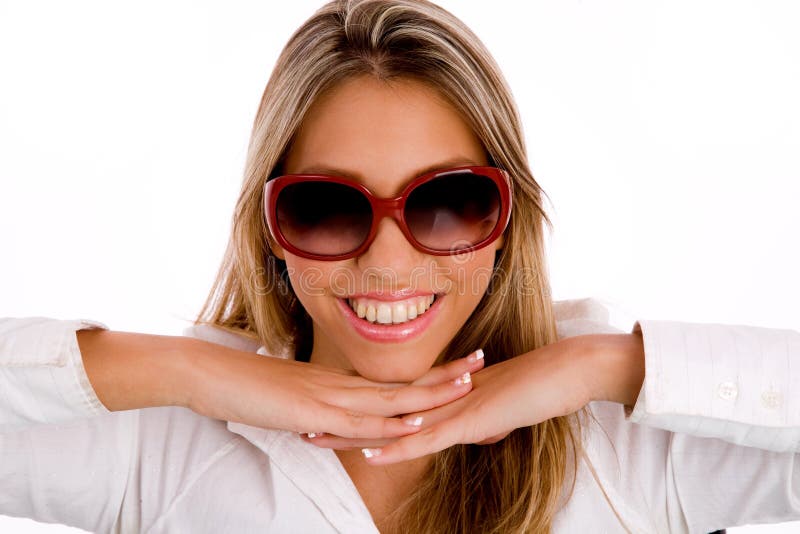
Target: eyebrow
<point>447,164</point>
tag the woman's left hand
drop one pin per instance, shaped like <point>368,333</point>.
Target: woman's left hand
<point>551,381</point>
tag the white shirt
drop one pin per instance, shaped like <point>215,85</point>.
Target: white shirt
<point>712,442</point>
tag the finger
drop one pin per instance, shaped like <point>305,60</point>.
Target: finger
<point>319,368</point>
<point>450,370</point>
<point>421,419</point>
<point>436,415</point>
<point>426,441</point>
<point>472,363</point>
<point>353,424</point>
<point>329,441</point>
<point>391,401</point>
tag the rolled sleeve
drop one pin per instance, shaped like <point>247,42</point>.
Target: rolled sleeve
<point>42,376</point>
<point>731,382</point>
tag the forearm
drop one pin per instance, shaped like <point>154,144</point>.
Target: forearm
<point>131,370</point>
<point>613,366</point>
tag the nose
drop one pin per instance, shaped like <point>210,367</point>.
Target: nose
<point>390,253</point>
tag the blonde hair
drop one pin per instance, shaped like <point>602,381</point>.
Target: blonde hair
<point>516,484</point>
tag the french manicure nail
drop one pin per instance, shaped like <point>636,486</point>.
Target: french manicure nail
<point>370,453</point>
<point>463,379</point>
<point>475,356</point>
<point>417,421</point>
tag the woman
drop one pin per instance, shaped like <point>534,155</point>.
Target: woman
<point>425,387</point>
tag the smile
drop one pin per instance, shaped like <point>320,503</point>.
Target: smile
<point>391,321</point>
<point>394,312</point>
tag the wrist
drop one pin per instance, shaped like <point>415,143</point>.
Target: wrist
<point>613,367</point>
<point>210,372</point>
<point>204,362</point>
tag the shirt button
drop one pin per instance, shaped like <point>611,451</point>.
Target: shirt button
<point>727,391</point>
<point>771,399</point>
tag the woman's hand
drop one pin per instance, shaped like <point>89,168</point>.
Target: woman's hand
<point>552,381</point>
<point>267,392</point>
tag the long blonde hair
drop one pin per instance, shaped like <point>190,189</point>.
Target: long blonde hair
<point>511,486</point>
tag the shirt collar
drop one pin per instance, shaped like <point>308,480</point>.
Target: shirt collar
<point>316,472</point>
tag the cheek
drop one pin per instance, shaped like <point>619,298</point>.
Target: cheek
<point>473,274</point>
<point>308,279</point>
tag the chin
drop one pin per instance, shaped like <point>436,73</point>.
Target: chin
<point>381,370</point>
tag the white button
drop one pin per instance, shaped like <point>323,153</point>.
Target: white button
<point>771,399</point>
<point>727,391</point>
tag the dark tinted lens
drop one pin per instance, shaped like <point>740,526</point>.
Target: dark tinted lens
<point>323,218</point>
<point>453,211</point>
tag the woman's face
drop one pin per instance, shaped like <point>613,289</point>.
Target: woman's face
<point>383,136</point>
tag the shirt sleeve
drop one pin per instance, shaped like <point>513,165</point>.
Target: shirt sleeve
<point>715,444</point>
<point>731,382</point>
<point>64,457</point>
<point>42,377</point>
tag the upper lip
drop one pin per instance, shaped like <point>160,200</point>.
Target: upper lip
<point>391,295</point>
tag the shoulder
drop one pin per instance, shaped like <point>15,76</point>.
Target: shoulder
<point>235,339</point>
<point>590,315</point>
<point>222,336</point>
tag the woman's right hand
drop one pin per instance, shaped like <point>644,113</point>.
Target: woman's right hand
<point>267,392</point>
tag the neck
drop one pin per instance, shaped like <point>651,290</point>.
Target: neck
<point>383,488</point>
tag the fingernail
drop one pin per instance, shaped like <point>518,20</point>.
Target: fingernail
<point>463,379</point>
<point>475,356</point>
<point>417,421</point>
<point>369,453</point>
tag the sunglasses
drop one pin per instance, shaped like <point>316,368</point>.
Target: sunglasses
<point>445,212</point>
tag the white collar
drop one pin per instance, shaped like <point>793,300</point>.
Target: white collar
<point>316,472</point>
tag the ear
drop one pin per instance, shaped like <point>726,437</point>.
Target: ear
<point>499,242</point>
<point>275,248</point>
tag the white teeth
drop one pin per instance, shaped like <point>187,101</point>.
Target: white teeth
<point>384,312</point>
<point>399,313</point>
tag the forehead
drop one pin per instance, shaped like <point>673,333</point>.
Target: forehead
<point>382,134</point>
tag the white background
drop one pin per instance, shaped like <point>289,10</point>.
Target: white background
<point>666,135</point>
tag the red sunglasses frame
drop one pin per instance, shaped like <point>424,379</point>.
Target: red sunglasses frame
<point>386,207</point>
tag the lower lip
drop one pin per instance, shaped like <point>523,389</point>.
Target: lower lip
<point>389,333</point>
